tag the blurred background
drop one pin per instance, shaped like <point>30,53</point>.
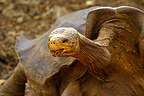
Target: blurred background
<point>32,18</point>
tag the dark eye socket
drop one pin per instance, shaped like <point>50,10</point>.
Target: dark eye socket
<point>65,40</point>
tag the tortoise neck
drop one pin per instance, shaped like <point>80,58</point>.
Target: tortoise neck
<point>93,56</point>
<point>91,49</point>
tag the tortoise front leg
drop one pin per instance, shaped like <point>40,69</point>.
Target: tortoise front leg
<point>15,85</point>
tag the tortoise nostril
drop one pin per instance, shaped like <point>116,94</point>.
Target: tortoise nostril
<point>65,40</point>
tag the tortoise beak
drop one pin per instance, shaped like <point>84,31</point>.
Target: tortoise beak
<point>57,51</point>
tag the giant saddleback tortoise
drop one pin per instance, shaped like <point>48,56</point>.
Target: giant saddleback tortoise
<point>106,45</point>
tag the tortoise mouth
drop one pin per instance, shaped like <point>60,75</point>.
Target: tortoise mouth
<point>56,52</point>
<point>61,52</point>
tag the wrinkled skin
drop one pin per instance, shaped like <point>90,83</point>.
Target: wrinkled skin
<point>65,76</point>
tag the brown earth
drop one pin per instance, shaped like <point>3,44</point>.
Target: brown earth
<point>33,18</point>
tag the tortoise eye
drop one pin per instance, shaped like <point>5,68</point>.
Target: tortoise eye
<point>65,40</point>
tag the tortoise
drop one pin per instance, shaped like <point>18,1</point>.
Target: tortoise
<point>64,75</point>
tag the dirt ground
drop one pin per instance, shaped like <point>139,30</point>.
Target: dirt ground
<point>33,18</point>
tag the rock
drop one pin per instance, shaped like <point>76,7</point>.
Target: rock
<point>37,17</point>
<point>20,20</point>
<point>10,12</point>
<point>90,2</point>
<point>2,81</point>
<point>3,1</point>
<point>60,11</point>
<point>12,33</point>
<point>33,2</point>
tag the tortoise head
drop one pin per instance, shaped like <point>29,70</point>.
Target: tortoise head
<point>63,42</point>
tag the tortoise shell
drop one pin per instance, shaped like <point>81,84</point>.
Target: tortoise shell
<point>103,14</point>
